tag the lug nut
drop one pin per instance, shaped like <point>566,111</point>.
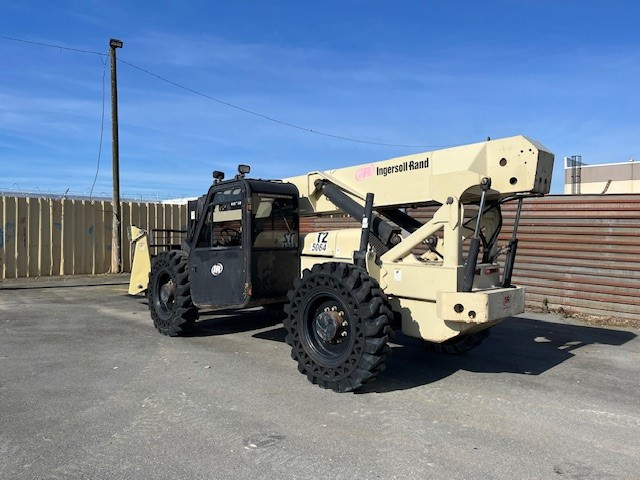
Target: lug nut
<point>345,324</point>
<point>344,334</point>
<point>341,313</point>
<point>334,308</point>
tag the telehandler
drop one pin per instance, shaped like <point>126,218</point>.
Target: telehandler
<point>346,291</point>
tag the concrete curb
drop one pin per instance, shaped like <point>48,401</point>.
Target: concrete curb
<point>65,281</point>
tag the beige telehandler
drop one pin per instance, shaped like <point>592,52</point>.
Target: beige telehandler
<point>345,291</point>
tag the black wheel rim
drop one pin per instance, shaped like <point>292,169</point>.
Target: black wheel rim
<point>334,352</point>
<point>164,298</point>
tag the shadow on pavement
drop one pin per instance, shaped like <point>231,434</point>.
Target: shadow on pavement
<point>222,322</point>
<point>519,345</point>
<point>232,322</point>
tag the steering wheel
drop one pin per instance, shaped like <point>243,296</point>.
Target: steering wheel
<point>232,236</point>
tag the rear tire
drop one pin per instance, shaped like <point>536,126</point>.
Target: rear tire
<point>459,344</point>
<point>169,294</point>
<point>338,326</point>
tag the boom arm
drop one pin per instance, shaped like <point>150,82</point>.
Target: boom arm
<point>516,165</point>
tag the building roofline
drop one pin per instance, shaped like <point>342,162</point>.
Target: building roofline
<point>584,165</point>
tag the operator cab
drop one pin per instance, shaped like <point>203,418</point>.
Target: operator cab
<point>243,242</point>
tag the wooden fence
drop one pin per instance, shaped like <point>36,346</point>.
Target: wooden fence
<point>45,237</point>
<point>578,252</point>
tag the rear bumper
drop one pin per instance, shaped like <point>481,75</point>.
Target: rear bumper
<point>480,306</point>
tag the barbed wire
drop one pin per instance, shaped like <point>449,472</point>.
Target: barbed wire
<point>70,194</point>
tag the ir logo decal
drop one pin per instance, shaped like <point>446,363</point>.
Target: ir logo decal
<point>217,269</point>
<point>364,172</point>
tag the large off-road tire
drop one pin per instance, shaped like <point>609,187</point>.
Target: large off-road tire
<point>460,344</point>
<point>169,294</point>
<point>338,326</point>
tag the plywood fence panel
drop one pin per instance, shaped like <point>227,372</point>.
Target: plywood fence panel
<point>22,254</point>
<point>44,236</point>
<point>55,268</point>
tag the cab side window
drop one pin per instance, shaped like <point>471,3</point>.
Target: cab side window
<point>274,222</point>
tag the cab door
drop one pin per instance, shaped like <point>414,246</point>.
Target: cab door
<point>275,258</point>
<point>218,263</point>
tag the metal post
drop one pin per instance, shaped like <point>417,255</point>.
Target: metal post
<point>116,263</point>
<point>360,256</point>
<point>513,247</point>
<point>474,247</point>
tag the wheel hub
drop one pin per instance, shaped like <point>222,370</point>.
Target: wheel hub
<point>166,292</point>
<point>329,325</point>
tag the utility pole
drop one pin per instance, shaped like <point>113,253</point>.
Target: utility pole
<point>116,263</point>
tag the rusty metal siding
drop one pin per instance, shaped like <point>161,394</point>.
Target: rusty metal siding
<point>578,252</point>
<point>43,237</point>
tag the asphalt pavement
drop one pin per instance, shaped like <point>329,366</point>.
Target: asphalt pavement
<point>89,389</point>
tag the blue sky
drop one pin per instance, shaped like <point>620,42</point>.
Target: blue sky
<point>416,72</point>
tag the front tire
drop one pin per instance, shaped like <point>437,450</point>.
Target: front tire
<point>338,326</point>
<point>169,294</point>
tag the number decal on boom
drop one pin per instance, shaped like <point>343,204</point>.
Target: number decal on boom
<point>320,245</point>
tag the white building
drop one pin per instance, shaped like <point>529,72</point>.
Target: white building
<point>581,178</point>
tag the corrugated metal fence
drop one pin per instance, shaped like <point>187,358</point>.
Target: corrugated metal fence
<point>578,252</point>
<point>44,237</point>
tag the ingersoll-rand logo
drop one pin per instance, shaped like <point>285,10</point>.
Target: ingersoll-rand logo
<point>407,166</point>
<point>364,172</point>
<point>217,269</point>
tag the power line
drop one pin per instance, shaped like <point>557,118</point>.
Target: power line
<point>104,71</point>
<point>225,103</point>
<point>51,45</point>
<point>267,117</point>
